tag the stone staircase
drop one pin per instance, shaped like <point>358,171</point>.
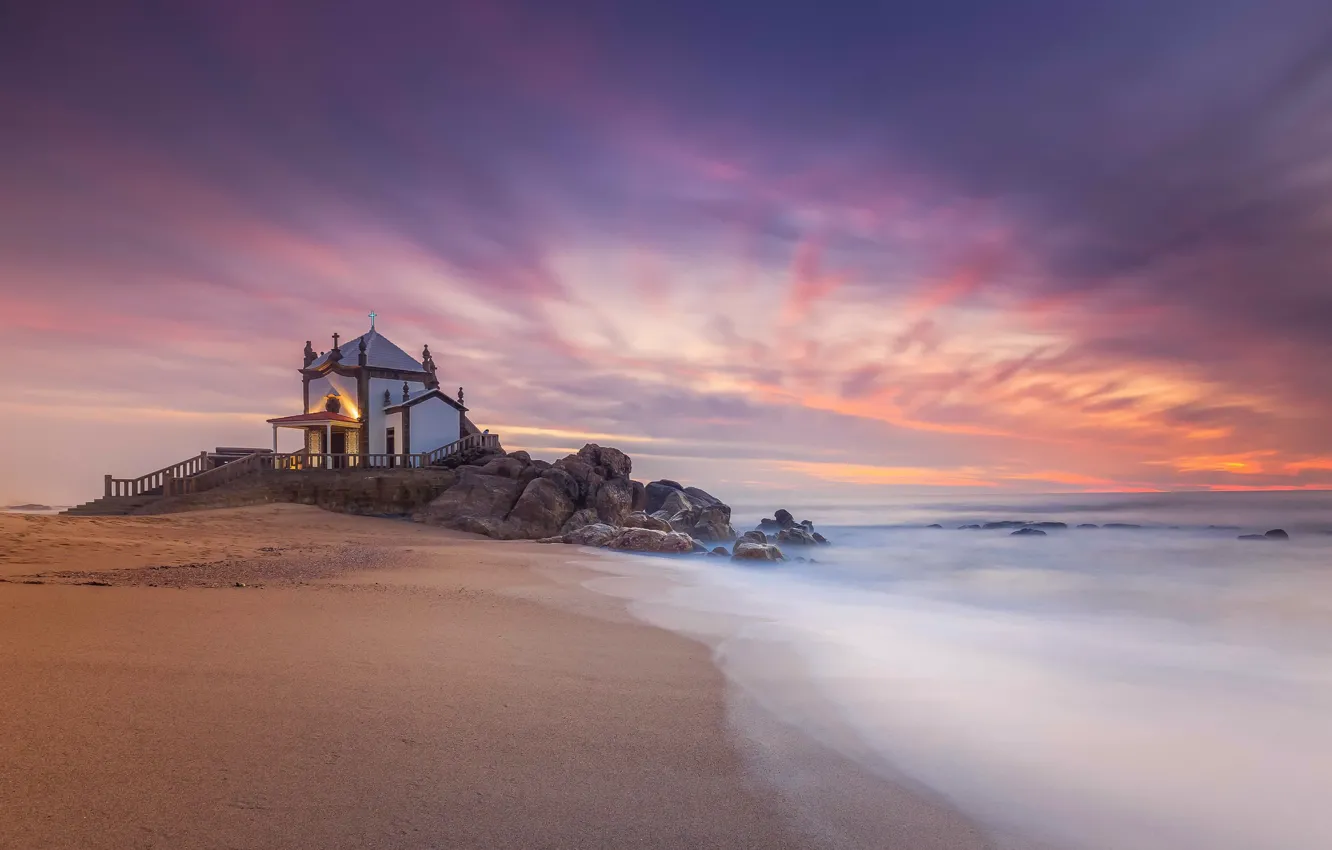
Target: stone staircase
<point>113,505</point>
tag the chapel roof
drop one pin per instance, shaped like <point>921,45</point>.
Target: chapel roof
<point>379,352</point>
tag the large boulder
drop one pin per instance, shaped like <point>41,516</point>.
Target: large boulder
<point>700,497</point>
<point>638,519</point>
<point>783,518</point>
<point>650,540</point>
<point>614,500</point>
<point>475,495</point>
<point>607,461</point>
<point>540,511</point>
<point>580,518</point>
<point>505,467</point>
<point>521,456</point>
<point>753,537</point>
<point>640,496</point>
<point>656,493</point>
<point>712,523</point>
<point>1027,532</point>
<point>565,480</point>
<point>746,551</point>
<point>583,474</point>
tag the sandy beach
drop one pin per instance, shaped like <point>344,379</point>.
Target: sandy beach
<point>284,677</point>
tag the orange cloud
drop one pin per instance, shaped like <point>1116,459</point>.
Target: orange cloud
<point>854,473</point>
<point>1245,463</point>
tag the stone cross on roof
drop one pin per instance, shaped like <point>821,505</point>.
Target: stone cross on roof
<point>373,314</point>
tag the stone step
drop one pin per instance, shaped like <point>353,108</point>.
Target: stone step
<point>111,506</point>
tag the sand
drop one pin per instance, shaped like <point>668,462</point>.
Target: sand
<point>282,677</point>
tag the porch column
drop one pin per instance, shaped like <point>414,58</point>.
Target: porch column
<point>274,439</point>
<point>328,445</point>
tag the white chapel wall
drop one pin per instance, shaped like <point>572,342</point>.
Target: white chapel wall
<point>434,423</point>
<point>378,443</point>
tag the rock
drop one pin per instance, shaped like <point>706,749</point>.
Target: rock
<point>638,519</point>
<point>809,526</point>
<point>468,457</point>
<point>566,481</point>
<point>580,518</point>
<point>720,552</point>
<point>712,522</point>
<point>655,494</point>
<point>522,457</point>
<point>1120,525</point>
<point>583,475</point>
<point>1006,523</point>
<point>640,496</point>
<point>1088,525</point>
<point>784,518</point>
<point>1274,534</point>
<point>614,500</point>
<point>1028,532</point>
<point>754,537</point>
<point>606,461</point>
<point>1223,528</point>
<point>769,524</point>
<point>796,536</point>
<point>934,525</point>
<point>746,551</point>
<point>596,534</point>
<point>475,496</point>
<point>485,526</point>
<point>819,539</point>
<point>972,527</point>
<point>540,511</point>
<point>1053,526</point>
<point>702,498</point>
<point>650,540</point>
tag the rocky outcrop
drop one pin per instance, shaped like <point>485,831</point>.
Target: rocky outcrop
<point>753,537</point>
<point>1028,531</point>
<point>691,511</point>
<point>515,497</point>
<point>783,528</point>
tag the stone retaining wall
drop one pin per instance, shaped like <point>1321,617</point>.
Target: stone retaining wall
<point>354,491</point>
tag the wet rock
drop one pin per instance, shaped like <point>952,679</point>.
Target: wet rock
<point>638,519</point>
<point>796,536</point>
<point>596,534</point>
<point>769,524</point>
<point>614,500</point>
<point>581,517</point>
<point>971,527</point>
<point>650,540</point>
<point>746,551</point>
<point>640,496</point>
<point>565,480</point>
<point>1088,525</point>
<point>1251,537</point>
<point>934,525</point>
<point>1276,534</point>
<point>1121,525</point>
<point>521,456</point>
<point>1028,532</point>
<point>754,537</point>
<point>656,492</point>
<point>1006,523</point>
<point>819,539</point>
<point>720,552</point>
<point>1048,526</point>
<point>784,518</point>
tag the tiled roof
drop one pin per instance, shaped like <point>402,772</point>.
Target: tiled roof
<point>379,351</point>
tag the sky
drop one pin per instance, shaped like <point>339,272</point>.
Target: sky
<point>786,250</point>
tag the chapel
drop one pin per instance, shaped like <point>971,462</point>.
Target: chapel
<point>367,396</point>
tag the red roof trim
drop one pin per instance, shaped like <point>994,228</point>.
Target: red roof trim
<point>313,418</point>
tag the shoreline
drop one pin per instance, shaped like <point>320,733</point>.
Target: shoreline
<point>375,683</point>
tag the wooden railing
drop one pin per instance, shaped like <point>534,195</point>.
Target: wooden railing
<point>471,441</point>
<point>156,482</point>
<point>324,460</point>
<point>210,478</point>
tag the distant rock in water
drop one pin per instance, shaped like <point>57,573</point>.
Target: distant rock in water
<point>1274,534</point>
<point>746,551</point>
<point>1004,523</point>
<point>1120,525</point>
<point>784,518</point>
<point>1054,526</point>
<point>1088,525</point>
<point>972,527</point>
<point>783,528</point>
<point>934,525</point>
<point>1028,532</point>
<point>29,507</point>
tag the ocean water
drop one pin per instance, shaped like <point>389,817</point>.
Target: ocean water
<point>1160,688</point>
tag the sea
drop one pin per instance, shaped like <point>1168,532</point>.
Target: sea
<point>1158,685</point>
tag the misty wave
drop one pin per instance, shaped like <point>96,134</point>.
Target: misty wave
<point>1100,690</point>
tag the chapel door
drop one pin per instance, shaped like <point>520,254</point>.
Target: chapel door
<point>339,448</point>
<point>391,445</point>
